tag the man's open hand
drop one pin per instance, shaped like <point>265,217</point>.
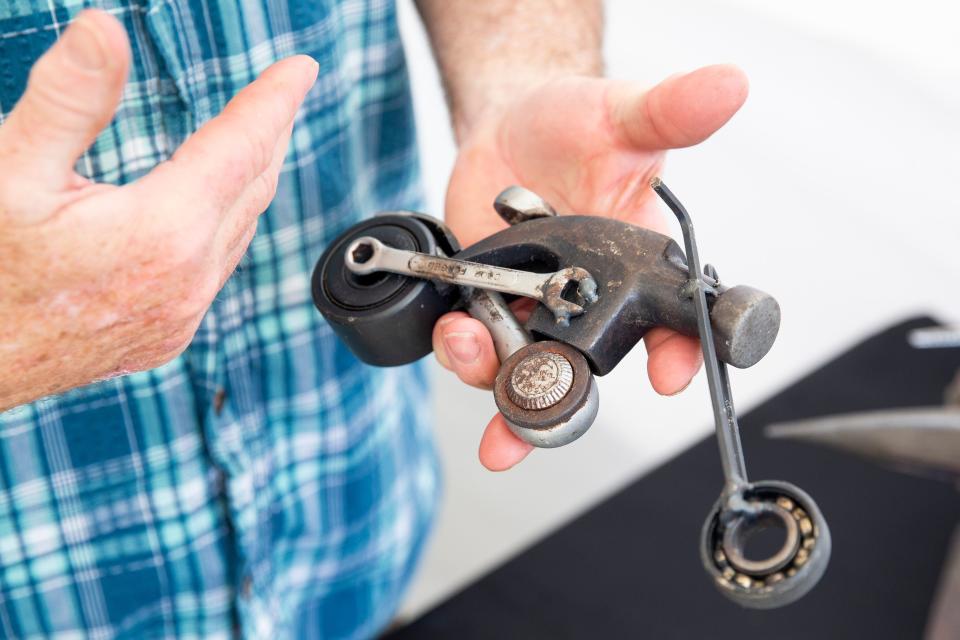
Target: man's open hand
<point>588,146</point>
<point>99,280</point>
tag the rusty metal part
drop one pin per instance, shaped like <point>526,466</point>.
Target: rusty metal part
<point>562,421</point>
<point>641,276</point>
<point>774,578</point>
<point>367,255</point>
<point>778,578</point>
<point>516,205</point>
<point>763,515</point>
<point>540,380</point>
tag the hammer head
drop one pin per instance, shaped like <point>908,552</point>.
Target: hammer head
<point>641,280</point>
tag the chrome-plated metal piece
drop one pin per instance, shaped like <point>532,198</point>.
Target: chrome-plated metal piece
<point>563,431</point>
<point>780,577</point>
<point>540,380</point>
<point>542,402</point>
<point>367,255</point>
<point>491,309</point>
<point>516,205</point>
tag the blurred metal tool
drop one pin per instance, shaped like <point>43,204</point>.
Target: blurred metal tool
<point>934,337</point>
<point>924,441</point>
<point>919,440</point>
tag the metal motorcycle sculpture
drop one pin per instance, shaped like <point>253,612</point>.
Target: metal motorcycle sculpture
<point>601,284</point>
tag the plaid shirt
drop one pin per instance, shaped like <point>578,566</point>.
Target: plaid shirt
<point>264,483</point>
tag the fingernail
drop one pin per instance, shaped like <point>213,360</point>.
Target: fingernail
<point>463,346</point>
<point>83,45</point>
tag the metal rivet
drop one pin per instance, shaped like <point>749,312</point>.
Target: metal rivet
<point>540,381</point>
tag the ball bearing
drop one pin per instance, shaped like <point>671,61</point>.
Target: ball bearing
<point>783,575</point>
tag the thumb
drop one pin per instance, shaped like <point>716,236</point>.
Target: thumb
<point>679,112</point>
<point>71,95</point>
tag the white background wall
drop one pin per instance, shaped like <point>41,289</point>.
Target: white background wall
<point>835,188</point>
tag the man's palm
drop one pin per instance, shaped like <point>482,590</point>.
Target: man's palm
<point>106,279</point>
<point>588,146</point>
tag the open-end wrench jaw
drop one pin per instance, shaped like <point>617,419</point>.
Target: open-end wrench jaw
<point>559,284</point>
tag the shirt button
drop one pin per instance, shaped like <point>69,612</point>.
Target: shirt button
<point>218,399</point>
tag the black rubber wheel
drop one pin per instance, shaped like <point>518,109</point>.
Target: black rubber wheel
<point>385,319</point>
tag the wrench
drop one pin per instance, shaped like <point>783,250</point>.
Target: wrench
<point>367,255</point>
<point>747,507</point>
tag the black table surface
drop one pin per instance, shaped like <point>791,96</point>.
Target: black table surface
<point>629,567</point>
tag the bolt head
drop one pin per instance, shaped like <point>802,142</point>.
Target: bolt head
<point>540,381</point>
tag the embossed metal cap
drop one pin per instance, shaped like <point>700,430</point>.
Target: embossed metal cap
<point>540,381</point>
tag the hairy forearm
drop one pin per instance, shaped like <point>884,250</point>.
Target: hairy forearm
<point>489,51</point>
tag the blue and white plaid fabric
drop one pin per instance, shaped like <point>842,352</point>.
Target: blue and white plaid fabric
<point>264,484</point>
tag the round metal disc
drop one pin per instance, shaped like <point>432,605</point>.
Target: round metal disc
<point>540,380</point>
<point>565,416</point>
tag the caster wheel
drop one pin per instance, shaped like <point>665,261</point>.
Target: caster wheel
<point>547,394</point>
<point>385,319</point>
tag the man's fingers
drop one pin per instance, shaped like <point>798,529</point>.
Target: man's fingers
<point>232,150</point>
<point>463,345</point>
<point>236,234</point>
<point>499,448</point>
<point>235,254</point>
<point>680,111</point>
<point>72,93</point>
<point>254,200</point>
<point>672,360</point>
